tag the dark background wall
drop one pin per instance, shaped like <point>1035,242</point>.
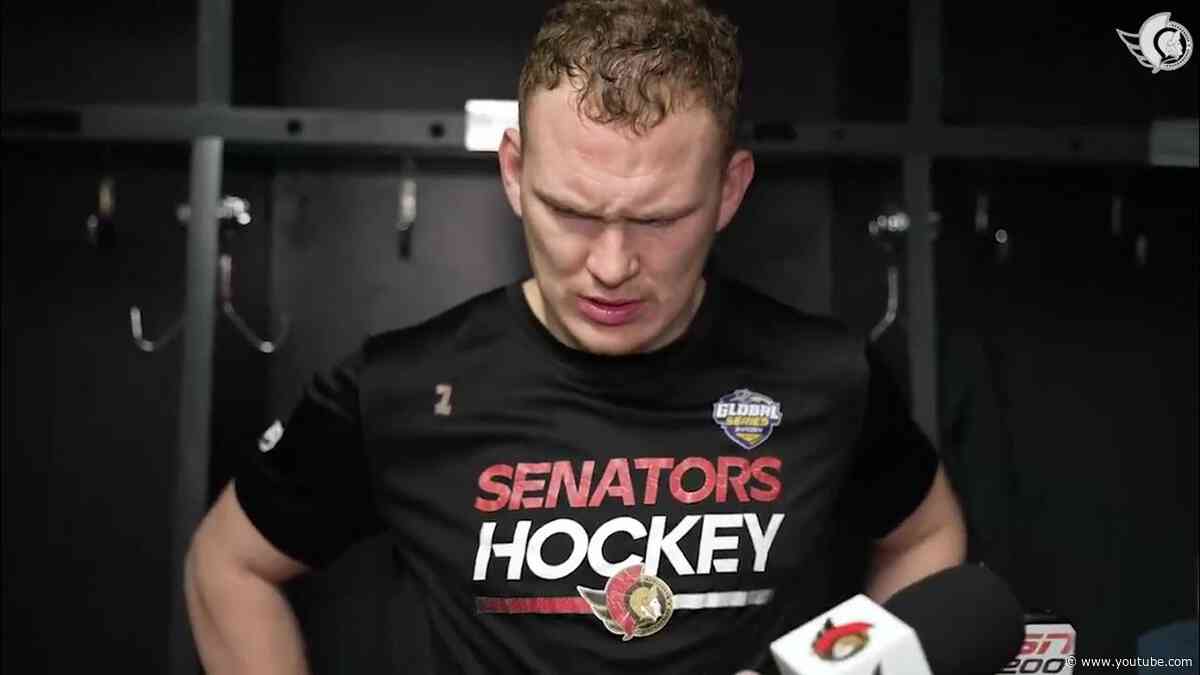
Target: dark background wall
<point>1069,393</point>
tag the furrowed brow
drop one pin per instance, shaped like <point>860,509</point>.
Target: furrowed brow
<point>565,205</point>
<point>559,203</point>
<point>668,214</point>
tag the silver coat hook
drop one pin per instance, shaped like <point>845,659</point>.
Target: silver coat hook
<point>232,212</point>
<point>999,235</point>
<point>406,213</point>
<point>893,303</point>
<point>101,230</point>
<point>226,298</point>
<point>139,338</point>
<point>889,230</point>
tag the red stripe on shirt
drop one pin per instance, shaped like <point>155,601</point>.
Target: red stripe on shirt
<point>568,605</point>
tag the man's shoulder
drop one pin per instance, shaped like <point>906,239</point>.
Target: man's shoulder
<point>767,316</point>
<point>759,328</point>
<point>476,321</point>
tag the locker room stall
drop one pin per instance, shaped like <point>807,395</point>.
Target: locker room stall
<point>1012,219</point>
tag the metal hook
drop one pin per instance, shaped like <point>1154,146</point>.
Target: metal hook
<point>101,230</point>
<point>1000,237</point>
<point>893,303</point>
<point>232,212</point>
<point>889,230</point>
<point>226,291</point>
<point>139,339</point>
<point>226,298</point>
<point>406,215</point>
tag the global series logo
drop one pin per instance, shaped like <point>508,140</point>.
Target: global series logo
<point>1160,44</point>
<point>747,417</point>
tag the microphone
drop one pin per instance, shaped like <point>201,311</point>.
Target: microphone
<point>961,621</point>
<point>1049,645</point>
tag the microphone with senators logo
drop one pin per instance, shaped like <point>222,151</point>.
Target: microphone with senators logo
<point>960,621</point>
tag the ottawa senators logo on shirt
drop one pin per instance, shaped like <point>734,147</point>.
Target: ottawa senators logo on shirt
<point>632,604</point>
<point>747,417</point>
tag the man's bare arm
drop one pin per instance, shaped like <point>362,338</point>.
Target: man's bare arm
<point>241,620</point>
<point>931,539</point>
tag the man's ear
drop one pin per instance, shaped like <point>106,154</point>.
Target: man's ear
<point>739,171</point>
<point>510,167</point>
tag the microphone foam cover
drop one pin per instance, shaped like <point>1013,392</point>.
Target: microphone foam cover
<point>968,620</point>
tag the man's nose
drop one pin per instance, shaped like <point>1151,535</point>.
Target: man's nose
<point>612,260</point>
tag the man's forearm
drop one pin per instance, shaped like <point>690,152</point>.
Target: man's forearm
<point>242,623</point>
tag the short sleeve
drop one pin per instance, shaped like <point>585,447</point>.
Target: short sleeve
<point>894,461</point>
<point>306,486</point>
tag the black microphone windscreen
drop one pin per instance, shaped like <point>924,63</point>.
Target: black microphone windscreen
<point>966,617</point>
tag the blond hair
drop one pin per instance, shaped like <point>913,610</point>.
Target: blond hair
<point>633,62</point>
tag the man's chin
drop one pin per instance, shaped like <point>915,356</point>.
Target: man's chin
<point>609,342</point>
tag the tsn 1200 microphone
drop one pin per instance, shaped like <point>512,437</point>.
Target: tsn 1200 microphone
<point>960,621</point>
<point>1049,646</point>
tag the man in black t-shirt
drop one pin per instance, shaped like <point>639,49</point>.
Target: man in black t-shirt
<point>620,465</point>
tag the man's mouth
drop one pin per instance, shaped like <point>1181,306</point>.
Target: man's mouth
<point>610,311</point>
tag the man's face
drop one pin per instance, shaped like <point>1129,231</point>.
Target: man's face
<point>1172,46</point>
<point>618,226</point>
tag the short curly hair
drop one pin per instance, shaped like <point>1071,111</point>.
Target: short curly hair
<point>634,62</point>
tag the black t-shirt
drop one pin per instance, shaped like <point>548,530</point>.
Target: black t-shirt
<point>569,512</point>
